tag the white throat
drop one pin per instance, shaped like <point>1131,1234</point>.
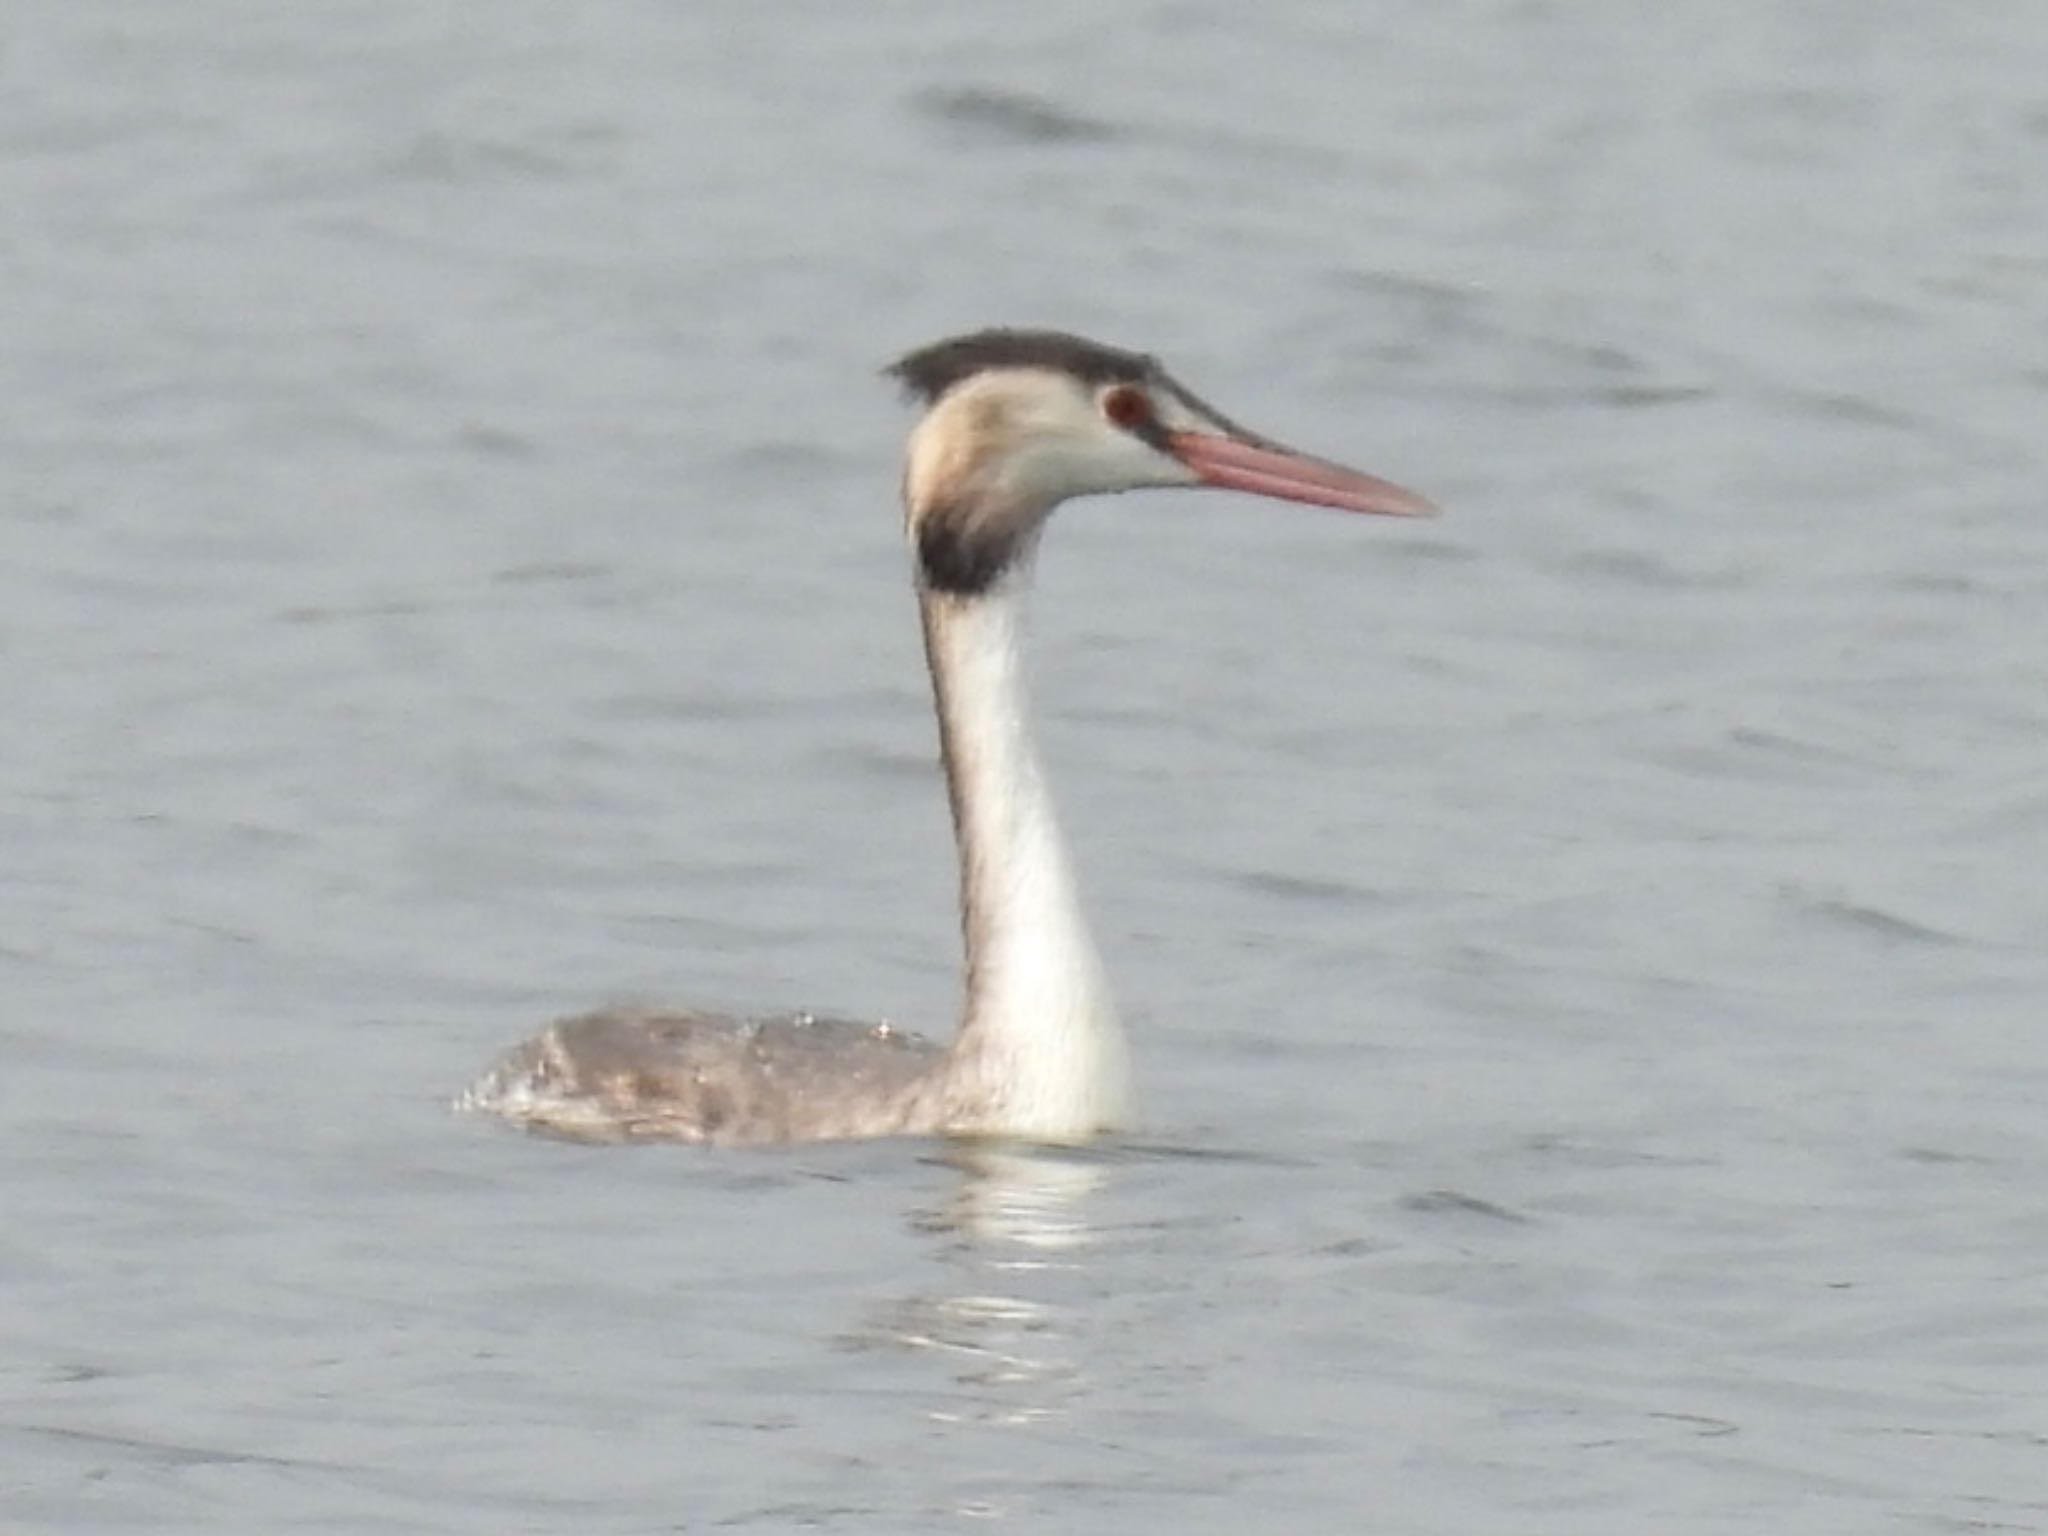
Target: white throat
<point>1039,1043</point>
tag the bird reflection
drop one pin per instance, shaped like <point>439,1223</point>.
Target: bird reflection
<point>1016,1235</point>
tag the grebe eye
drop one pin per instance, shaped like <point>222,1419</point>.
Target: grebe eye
<point>1126,406</point>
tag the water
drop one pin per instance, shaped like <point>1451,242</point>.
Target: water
<point>1585,956</point>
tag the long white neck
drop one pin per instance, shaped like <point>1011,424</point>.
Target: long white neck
<point>1039,1044</point>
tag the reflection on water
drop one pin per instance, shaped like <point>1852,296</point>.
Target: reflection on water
<point>1014,1232</point>
<point>1026,1198</point>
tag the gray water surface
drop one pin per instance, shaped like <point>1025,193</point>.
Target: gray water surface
<point>1585,957</point>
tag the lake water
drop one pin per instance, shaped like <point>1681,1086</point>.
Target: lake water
<point>1587,958</point>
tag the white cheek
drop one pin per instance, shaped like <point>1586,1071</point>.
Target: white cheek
<point>1091,460</point>
<point>1125,460</point>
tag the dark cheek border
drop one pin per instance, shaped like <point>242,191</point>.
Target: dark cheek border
<point>954,556</point>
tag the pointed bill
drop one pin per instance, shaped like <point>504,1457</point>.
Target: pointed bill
<point>1267,469</point>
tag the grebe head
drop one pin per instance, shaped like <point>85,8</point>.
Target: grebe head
<point>1018,421</point>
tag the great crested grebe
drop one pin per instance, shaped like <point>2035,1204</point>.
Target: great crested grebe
<point>1015,422</point>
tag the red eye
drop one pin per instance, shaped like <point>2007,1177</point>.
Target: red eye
<point>1126,406</point>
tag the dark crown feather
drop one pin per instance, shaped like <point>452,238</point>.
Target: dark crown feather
<point>929,372</point>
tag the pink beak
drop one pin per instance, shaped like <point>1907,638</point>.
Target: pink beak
<point>1267,469</point>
